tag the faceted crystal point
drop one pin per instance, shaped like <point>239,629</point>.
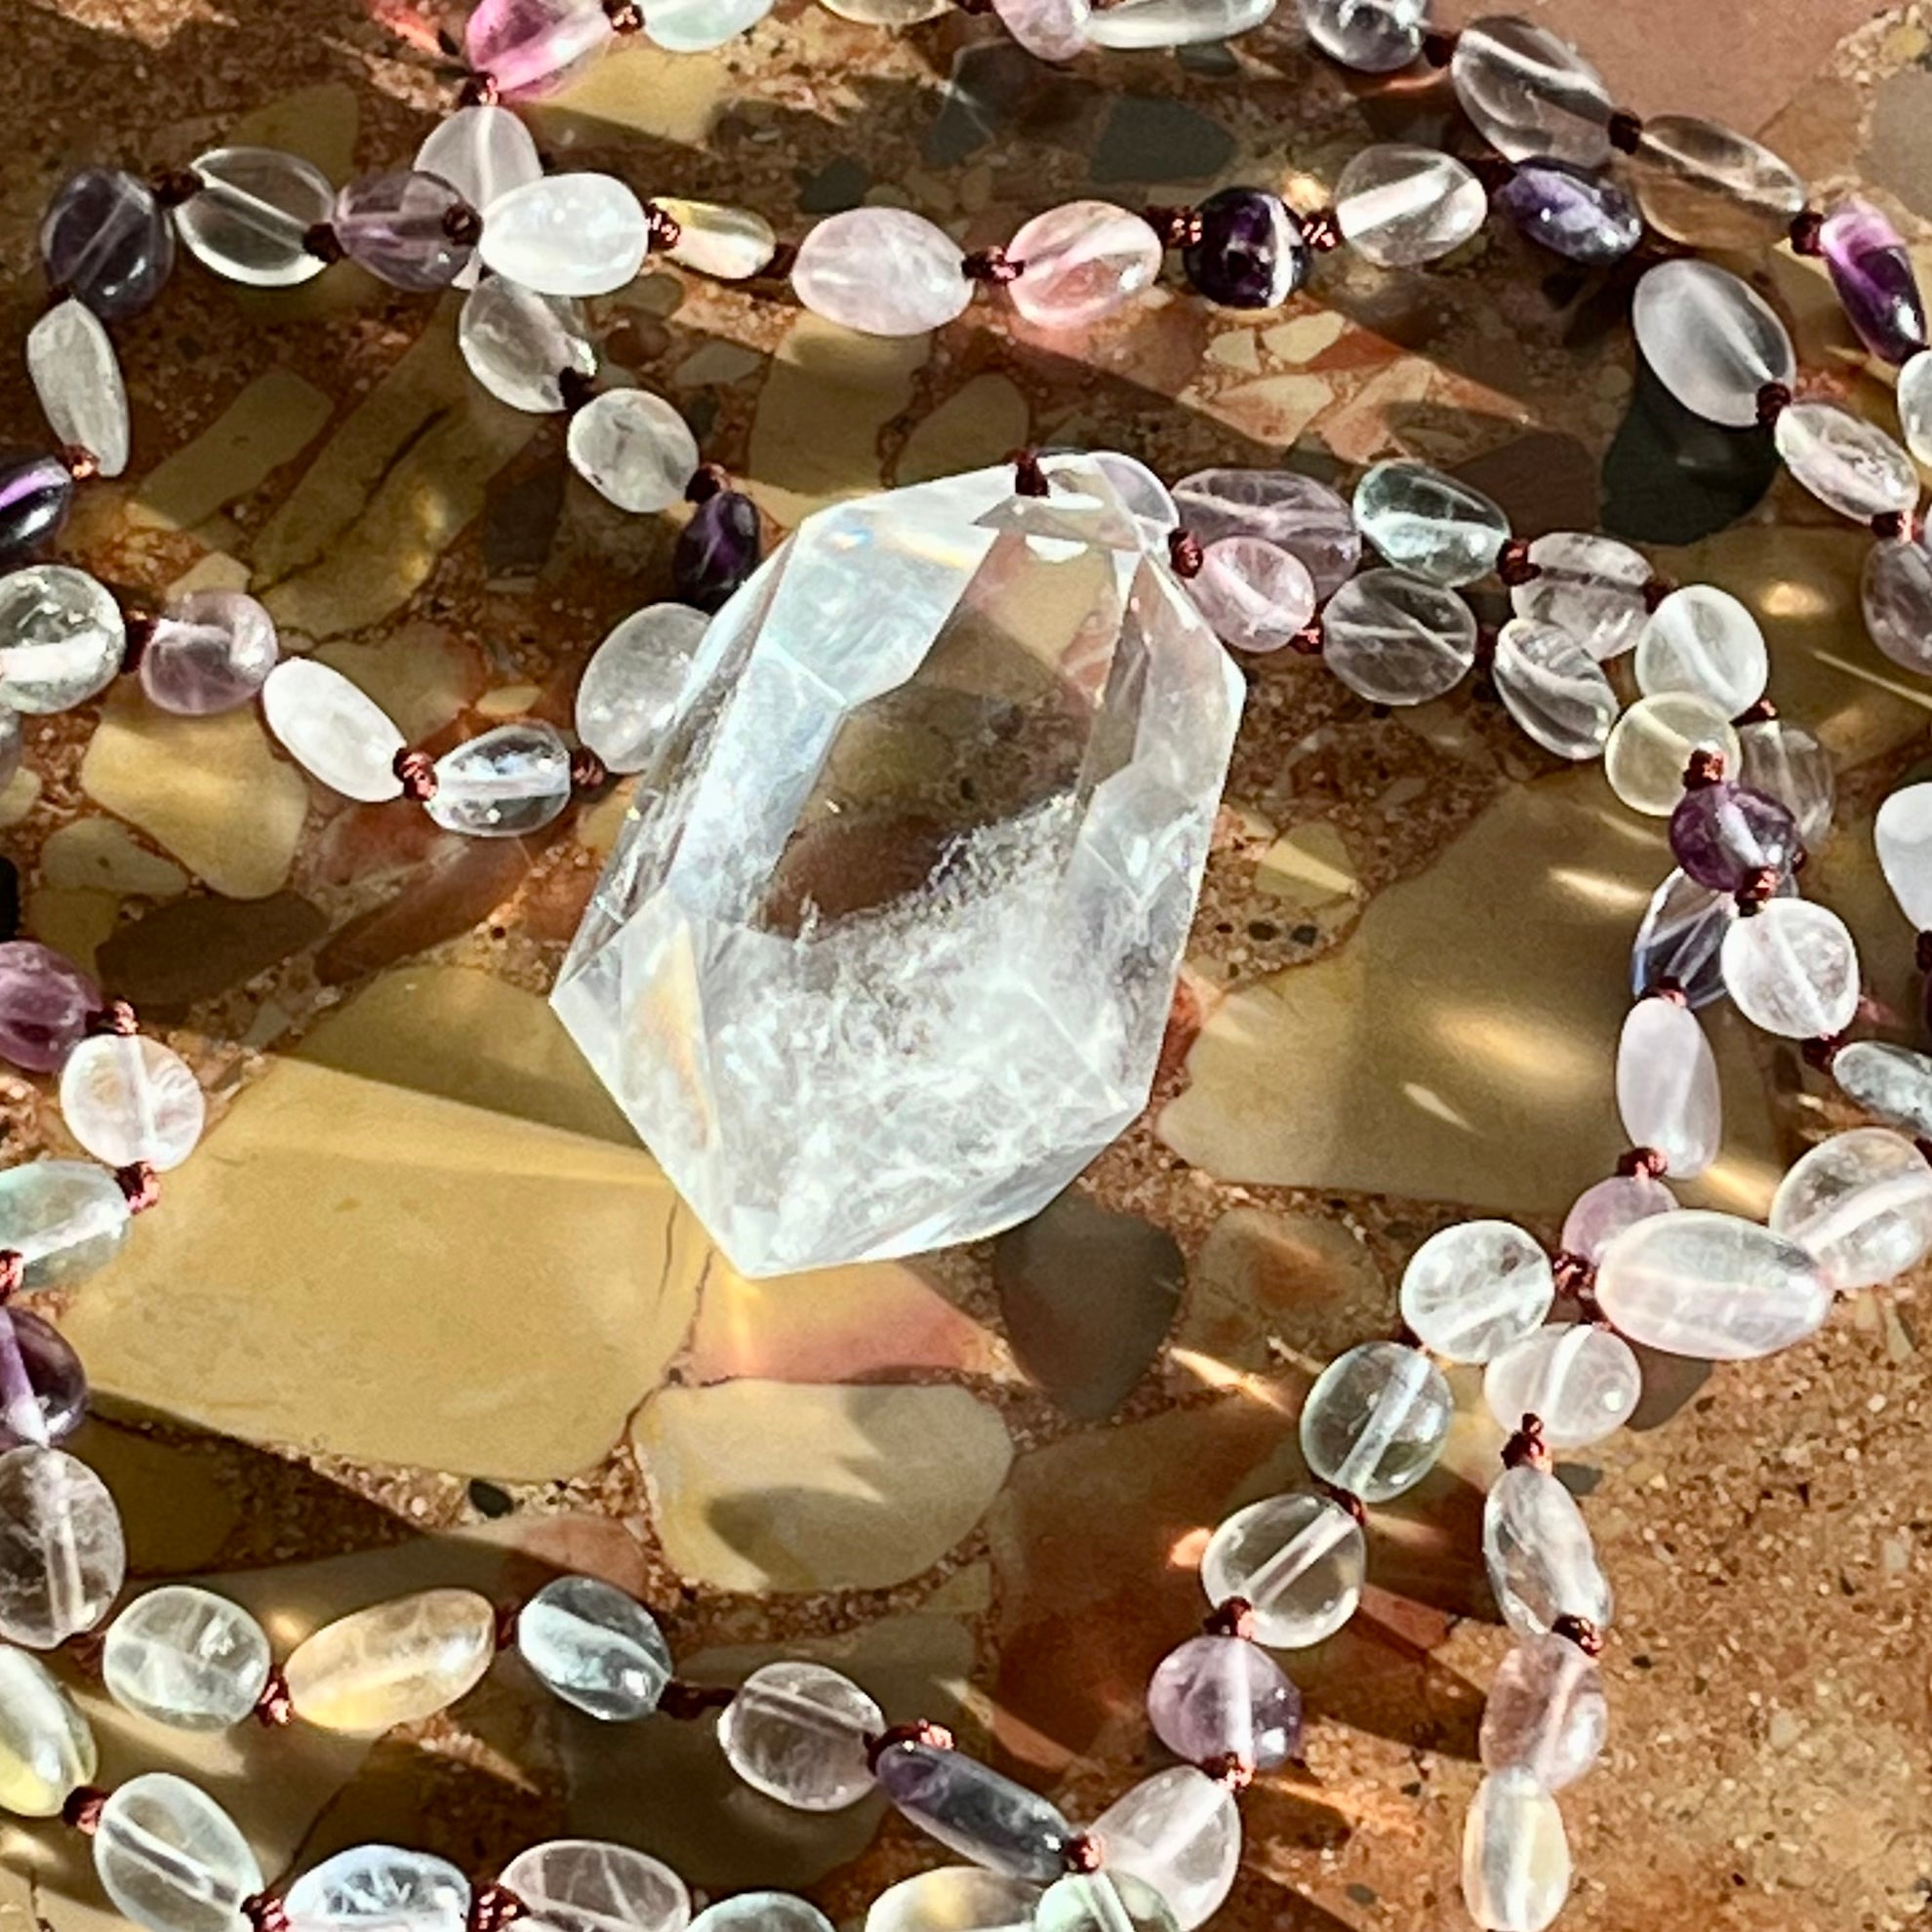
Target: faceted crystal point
<point>63,1552</point>
<point>1371,36</point>
<point>1542,1564</point>
<point>634,685</point>
<point>1251,253</point>
<point>46,1747</point>
<point>171,1859</point>
<point>955,1898</point>
<point>596,1646</point>
<point>1706,185</point>
<point>1793,970</point>
<point>799,1732</point>
<point>394,1662</point>
<point>1298,1560</point>
<point>1397,639</point>
<point>504,784</point>
<point>43,1388</point>
<point>250,220</point>
<point>186,1657</point>
<point>1667,1086</point>
<point>972,1809</point>
<point>1576,214</point>
<point>1515,1858</point>
<point>378,1888</point>
<point>1429,524</point>
<point>1579,1380</point>
<point>1397,205</point>
<point>587,1885</point>
<point>1471,1290</point>
<point>77,376</point>
<point>1872,271</point>
<point>61,636</point>
<point>1553,687</point>
<point>1179,1832</point>
<point>45,1002</point>
<point>1375,1421</point>
<point>883,271</point>
<point>1860,1204</point>
<point>1530,92</point>
<point>1295,513</point>
<point>925,896</point>
<point>209,651</point>
<point>1713,341</point>
<point>1546,1711</point>
<point>1216,1697</point>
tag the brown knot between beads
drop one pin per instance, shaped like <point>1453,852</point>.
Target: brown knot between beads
<point>1231,1770</point>
<point>1438,47</point>
<point>1820,1053</point>
<point>624,16</point>
<point>1666,989</point>
<point>921,1731</point>
<point>1082,1852</point>
<point>1321,230</point>
<point>1514,565</point>
<point>1772,402</point>
<point>587,771</point>
<point>1184,552</point>
<point>139,1185</point>
<point>1234,1617</point>
<point>1705,767</point>
<point>1624,130</point>
<point>174,186</point>
<point>274,1707</point>
<point>687,1703</point>
<point>462,224</point>
<point>1761,712</point>
<point>1807,232</point>
<point>79,461</point>
<point>1892,526</point>
<point>416,772</point>
<point>137,632</point>
<point>1581,1632</point>
<point>991,266</point>
<point>1575,1276</point>
<point>1028,478</point>
<point>1307,640</point>
<point>505,1624</point>
<point>706,480</point>
<point>1526,1449</point>
<point>12,1273</point>
<point>664,229</point>
<point>322,242</point>
<point>493,1907</point>
<point>264,1912</point>
<point>1655,590</point>
<point>1177,228</point>
<point>575,388</point>
<point>1647,1162</point>
<point>118,1017</point>
<point>1922,952</point>
<point>82,1810</point>
<point>478,90</point>
<point>1762,885</point>
<point>1344,1499</point>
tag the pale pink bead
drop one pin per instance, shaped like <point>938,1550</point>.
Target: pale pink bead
<point>1048,30</point>
<point>1080,261</point>
<point>1256,596</point>
<point>529,44</point>
<point>883,271</point>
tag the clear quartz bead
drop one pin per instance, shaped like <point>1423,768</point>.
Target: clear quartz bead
<point>209,651</point>
<point>519,344</point>
<point>1712,1285</point>
<point>46,1746</point>
<point>798,1733</point>
<point>1792,969</point>
<point>64,1218</point>
<point>378,1888</point>
<point>695,27</point>
<point>188,1657</point>
<point>1174,22</point>
<point>1472,1289</point>
<point>1397,639</point>
<point>1297,1559</point>
<point>1891,1081</point>
<point>1375,1421</point>
<point>1713,341</point>
<point>1592,588</point>
<point>171,1859</point>
<point>1371,36</point>
<point>1429,524</point>
<point>1531,93</point>
<point>885,13</point>
<point>1705,186</point>
<point>1650,746</point>
<point>129,1098</point>
<point>1860,1204</point>
<point>1048,30</point>
<point>1515,1858</point>
<point>1546,1713</point>
<point>394,1662</point>
<point>249,220</point>
<point>1607,1207</point>
<point>1902,831</point>
<point>1579,1380</point>
<point>1256,596</point>
<point>1785,762</point>
<point>77,376</point>
<point>728,244</point>
<point>1081,263</point>
<point>1704,640</point>
<point>63,1552</point>
<point>633,687</point>
<point>594,1646</point>
<point>1398,205</point>
<point>972,1809</point>
<point>1295,513</point>
<point>483,152</point>
<point>1542,1564</point>
<point>1179,1832</point>
<point>955,1898</point>
<point>503,782</point>
<point>763,1912</point>
<point>1103,1901</point>
<point>587,1885</point>
<point>334,730</point>
<point>61,638</point>
<point>578,235</point>
<point>1849,465</point>
<point>883,271</point>
<point>633,448</point>
<point>1667,1086</point>
<point>1915,400</point>
<point>1553,689</point>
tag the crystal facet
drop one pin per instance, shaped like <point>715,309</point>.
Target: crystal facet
<point>798,1732</point>
<point>1792,969</point>
<point>972,1809</point>
<point>1179,1832</point>
<point>883,271</point>
<point>1579,1380</point>
<point>127,1098</point>
<point>1872,271</point>
<point>1542,1564</point>
<point>61,638</point>
<point>594,1646</point>
<point>1667,1086</point>
<point>1515,1858</point>
<point>378,1888</point>
<point>1713,341</point>
<point>520,344</point>
<point>585,1886</point>
<point>46,1747</point>
<point>1474,1288</point>
<point>1297,1560</point>
<point>633,448</point>
<point>581,234</point>
<point>171,1859</point>
<point>1429,524</point>
<point>1589,588</point>
<point>188,1657</point>
<point>1397,639</point>
<point>1216,1697</point>
<point>394,1662</point>
<point>1295,513</point>
<point>1650,747</point>
<point>1704,184</point>
<point>633,687</point>
<point>1546,1711</point>
<point>1553,687</point>
<point>1080,263</point>
<point>1531,93</point>
<point>1397,205</point>
<point>1375,1421</point>
<point>1860,1204</point>
<point>77,378</point>
<point>250,220</point>
<point>62,1553</point>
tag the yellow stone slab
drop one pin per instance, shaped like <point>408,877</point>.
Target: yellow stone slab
<point>982,423</point>
<point>270,422</point>
<point>100,855</point>
<point>636,89</point>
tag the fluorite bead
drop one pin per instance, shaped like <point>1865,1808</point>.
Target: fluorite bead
<point>1397,639</point>
<point>1179,1832</point>
<point>1542,1564</point>
<point>1891,1081</point>
<point>799,1733</point>
<point>1048,30</point>
<point>730,244</point>
<point>1546,1713</point>
<point>883,271</point>
<point>1573,213</point>
<point>1702,1283</point>
<point>1250,253</point>
<point>1530,94</point>
<point>209,651</point>
<point>1472,1289</point>
<point>1902,831</point>
<point>1217,1696</point>
<point>394,1662</point>
<point>631,688</point>
<point>1553,687</point>
<point>250,220</point>
<point>594,1646</point>
<point>1295,513</point>
<point>1580,1381</point>
<point>632,448</point>
<point>1607,1207</point>
<point>693,26</point>
<point>382,1888</point>
<point>1915,401</point>
<point>1398,205</point>
<point>585,1886</point>
<point>1860,1205</point>
<point>43,1388</point>
<point>1174,22</point>
<point>1589,588</point>
<point>10,747</point>
<point>1704,640</point>
<point>186,1658</point>
<point>1375,1421</point>
<point>1872,271</point>
<point>64,1218</point>
<point>405,228</point>
<point>1723,834</point>
<point>482,153</point>
<point>1429,524</point>
<point>127,1098</point>
<point>1650,747</point>
<point>171,1859</point>
<point>1515,1858</point>
<point>1793,970</point>
<point>1706,185</point>
<point>525,45</point>
<point>1785,762</point>
<point>105,240</point>
<point>1298,1560</point>
<point>1667,1086</point>
<point>972,1809</point>
<point>717,549</point>
<point>1103,1901</point>
<point>36,492</point>
<point>1080,263</point>
<point>77,378</point>
<point>45,1000</point>
<point>62,1553</point>
<point>1371,36</point>
<point>61,638</point>
<point>46,1747</point>
<point>520,344</point>
<point>763,1912</point>
<point>333,729</point>
<point>1713,340</point>
<point>1256,597</point>
<point>1849,465</point>
<point>1681,940</point>
<point>579,235</point>
<point>955,1898</point>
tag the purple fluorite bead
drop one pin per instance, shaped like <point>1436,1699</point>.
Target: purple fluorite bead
<point>35,495</point>
<point>525,45</point>
<point>209,651</point>
<point>971,1809</point>
<point>43,1388</point>
<point>717,549</point>
<point>1216,1697</point>
<point>1571,212</point>
<point>1872,275</point>
<point>1251,253</point>
<point>45,1000</point>
<point>106,240</point>
<point>414,231</point>
<point>1723,834</point>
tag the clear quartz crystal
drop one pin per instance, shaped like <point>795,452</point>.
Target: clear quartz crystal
<point>209,651</point>
<point>798,1733</point>
<point>1546,1713</point>
<point>1785,762</point>
<point>1553,689</point>
<point>594,1646</point>
<point>64,1218</point>
<point>1515,1858</point>
<point>188,1657</point>
<point>974,1810</point>
<point>1591,587</point>
<point>1375,1421</point>
<point>63,1552</point>
<point>46,1747</point>
<point>1299,1560</point>
<point>1472,1289</point>
<point>1793,970</point>
<point>1708,186</point>
<point>1174,22</point>
<point>1860,1204</point>
<point>1680,939</point>
<point>1650,746</point>
<point>1397,639</point>
<point>333,729</point>
<point>1179,1832</point>
<point>394,1662</point>
<point>587,1885</point>
<point>1891,1081</point>
<point>1902,831</point>
<point>249,220</point>
<point>1542,1564</point>
<point>1579,1380</point>
<point>631,689</point>
<point>955,1898</point>
<point>378,1888</point>
<point>77,376</point>
<point>1849,465</point>
<point>915,900</point>
<point>519,344</point>
<point>1667,1086</point>
<point>171,1859</point>
<point>633,448</point>
<point>1293,512</point>
<point>61,638</point>
<point>1213,1697</point>
<point>1530,92</point>
<point>576,234</point>
<point>883,271</point>
<point>129,1098</point>
<point>1398,205</point>
<point>1428,523</point>
<point>1371,36</point>
<point>729,244</point>
<point>1701,640</point>
<point>1713,341</point>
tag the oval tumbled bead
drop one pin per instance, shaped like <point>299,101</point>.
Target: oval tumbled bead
<point>1792,968</point>
<point>1174,22</point>
<point>955,1898</point>
<point>1515,1858</point>
<point>186,1657</point>
<point>1553,689</point>
<point>1786,762</point>
<point>1891,1081</point>
<point>1429,524</point>
<point>62,637</point>
<point>1681,938</point>
<point>588,1885</point>
<point>1705,185</point>
<point>1667,1086</point>
<point>1546,1713</point>
<point>594,1646</point>
<point>1398,205</point>
<point>1579,1380</point>
<point>1542,1562</point>
<point>333,729</point>
<point>763,1912</point>
<point>1713,340</point>
<point>1293,512</point>
<point>1650,746</point>
<point>44,1005</point>
<point>1531,93</point>
<point>883,271</point>
<point>799,1733</point>
<point>171,1859</point>
<point>1872,271</point>
<point>64,1218</point>
<point>209,651</point>
<point>1581,216</point>
<point>1395,638</point>
<point>729,244</point>
<point>1902,833</point>
<point>483,152</point>
<point>1179,1833</point>
<point>632,448</point>
<point>1702,640</point>
<point>972,1809</point>
<point>1103,1901</point>
<point>77,376</point>
<point>631,688</point>
<point>1214,1697</point>
<point>1472,1289</point>
<point>1589,588</point>
<point>521,345</point>
<point>1607,1207</point>
<point>127,1098</point>
<point>503,782</point>
<point>251,218</point>
<point>394,1663</point>
<point>406,228</point>
<point>46,1747</point>
<point>378,1888</point>
<point>1375,1421</point>
<point>1860,1205</point>
<point>577,234</point>
<point>1849,465</point>
<point>105,239</point>
<point>1299,1561</point>
<point>43,1388</point>
<point>1080,263</point>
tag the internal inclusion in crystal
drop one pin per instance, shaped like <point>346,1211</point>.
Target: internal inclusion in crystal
<point>886,949</point>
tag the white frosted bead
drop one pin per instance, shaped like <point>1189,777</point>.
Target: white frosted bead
<point>1081,261</point>
<point>692,26</point>
<point>581,234</point>
<point>1785,762</point>
<point>171,1859</point>
<point>518,344</point>
<point>1792,969</point>
<point>883,271</point>
<point>886,13</point>
<point>61,638</point>
<point>1515,1858</point>
<point>1701,639</point>
<point>1915,401</point>
<point>633,448</point>
<point>503,782</point>
<point>1293,512</point>
<point>798,1732</point>
<point>63,1551</point>
<point>585,1886</point>
<point>1553,689</point>
<point>631,688</point>
<point>249,219</point>
<point>482,153</point>
<point>955,1898</point>
<point>1428,523</point>
<point>1891,1081</point>
<point>1542,1564</point>
<point>394,1663</point>
<point>1579,1380</point>
<point>1533,95</point>
<point>1174,22</point>
<point>1371,36</point>
<point>1896,597</point>
<point>1607,1207</point>
<point>1651,744</point>
<point>1849,465</point>
<point>1903,835</point>
<point>46,1747</point>
<point>188,1657</point>
<point>594,1646</point>
<point>1860,1205</point>
<point>334,730</point>
<point>128,1099</point>
<point>1398,205</point>
<point>1701,1283</point>
<point>1394,639</point>
<point>1297,1559</point>
<point>1713,341</point>
<point>378,1888</point>
<point>763,1912</point>
<point>1256,597</point>
<point>1374,1420</point>
<point>1546,1713</point>
<point>727,243</point>
<point>1590,587</point>
<point>1179,1832</point>
<point>1048,30</point>
<point>77,376</point>
<point>1471,1290</point>
<point>1667,1086</point>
